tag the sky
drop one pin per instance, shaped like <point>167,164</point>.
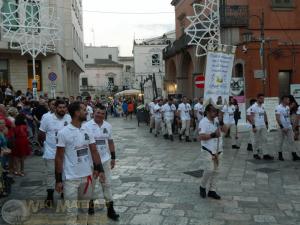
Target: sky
<point>119,30</point>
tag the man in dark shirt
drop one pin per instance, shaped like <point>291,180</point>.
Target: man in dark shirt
<point>40,110</point>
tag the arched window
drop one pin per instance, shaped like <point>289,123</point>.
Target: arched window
<point>239,70</point>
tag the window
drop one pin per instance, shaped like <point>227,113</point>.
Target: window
<point>128,68</point>
<point>111,81</point>
<point>32,17</point>
<point>3,72</point>
<point>110,57</point>
<point>155,60</point>
<point>84,81</point>
<point>38,75</point>
<point>10,6</point>
<point>281,4</point>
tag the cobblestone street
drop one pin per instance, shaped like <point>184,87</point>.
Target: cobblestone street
<point>153,185</point>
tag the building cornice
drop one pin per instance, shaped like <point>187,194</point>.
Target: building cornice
<point>175,2</point>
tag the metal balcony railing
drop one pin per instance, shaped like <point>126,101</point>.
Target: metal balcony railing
<point>234,16</point>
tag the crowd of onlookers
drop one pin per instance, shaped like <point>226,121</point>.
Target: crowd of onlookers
<point>20,118</point>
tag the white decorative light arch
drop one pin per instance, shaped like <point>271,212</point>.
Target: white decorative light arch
<point>204,29</point>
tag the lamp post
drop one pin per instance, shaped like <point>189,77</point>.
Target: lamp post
<point>262,46</point>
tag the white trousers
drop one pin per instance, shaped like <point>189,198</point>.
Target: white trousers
<point>233,133</point>
<point>106,186</point>
<point>185,127</point>
<point>211,170</point>
<point>167,127</point>
<point>152,121</point>
<point>259,140</point>
<point>50,173</point>
<point>74,192</point>
<point>196,131</point>
<point>289,139</point>
<point>157,125</point>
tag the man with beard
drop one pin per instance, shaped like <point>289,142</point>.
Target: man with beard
<point>73,171</point>
<point>102,132</point>
<point>48,131</point>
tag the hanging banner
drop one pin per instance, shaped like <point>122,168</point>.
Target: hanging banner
<point>218,77</point>
<point>270,105</point>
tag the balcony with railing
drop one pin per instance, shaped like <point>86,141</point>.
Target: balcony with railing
<point>234,15</point>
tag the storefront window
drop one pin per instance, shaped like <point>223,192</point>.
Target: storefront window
<point>3,72</point>
<point>38,68</point>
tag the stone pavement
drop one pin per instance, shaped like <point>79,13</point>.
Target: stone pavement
<point>151,188</point>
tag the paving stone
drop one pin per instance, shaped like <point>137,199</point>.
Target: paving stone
<point>264,219</point>
<point>233,216</point>
<point>147,219</point>
<point>175,221</point>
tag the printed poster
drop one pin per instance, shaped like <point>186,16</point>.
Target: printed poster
<point>218,77</point>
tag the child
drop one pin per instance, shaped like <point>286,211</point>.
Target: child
<point>21,148</point>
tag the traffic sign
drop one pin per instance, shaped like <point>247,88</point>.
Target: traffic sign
<point>52,76</point>
<point>200,81</point>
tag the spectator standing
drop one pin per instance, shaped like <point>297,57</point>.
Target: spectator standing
<point>21,149</point>
<point>130,109</point>
<point>125,109</point>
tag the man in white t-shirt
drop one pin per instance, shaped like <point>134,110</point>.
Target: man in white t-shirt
<point>286,132</point>
<point>198,114</point>
<point>49,128</point>
<point>73,169</point>
<point>228,118</point>
<point>158,116</point>
<point>260,126</point>
<point>102,132</point>
<point>184,110</point>
<point>151,106</point>
<point>210,130</point>
<point>89,110</point>
<point>248,119</point>
<point>168,111</point>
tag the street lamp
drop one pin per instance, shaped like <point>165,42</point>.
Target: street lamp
<point>261,19</point>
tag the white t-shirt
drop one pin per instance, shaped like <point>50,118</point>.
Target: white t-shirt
<point>151,107</point>
<point>259,115</point>
<point>168,111</point>
<point>76,141</point>
<point>228,111</point>
<point>49,113</point>
<point>298,113</point>
<point>185,110</point>
<point>157,112</point>
<point>101,135</point>
<point>50,125</point>
<point>284,112</point>
<point>90,112</point>
<point>248,113</point>
<point>207,127</point>
<point>199,108</point>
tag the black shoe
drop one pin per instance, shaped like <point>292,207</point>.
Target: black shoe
<point>202,192</point>
<point>155,135</point>
<point>91,208</point>
<point>268,157</point>
<point>187,139</point>
<point>171,138</point>
<point>280,157</point>
<point>62,196</point>
<point>195,139</point>
<point>49,201</point>
<point>256,156</point>
<point>111,213</point>
<point>214,195</point>
<point>295,156</point>
<point>150,130</point>
<point>166,136</point>
<point>249,148</point>
<point>180,137</point>
<point>235,147</point>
